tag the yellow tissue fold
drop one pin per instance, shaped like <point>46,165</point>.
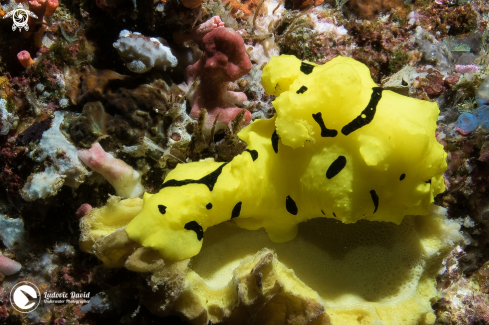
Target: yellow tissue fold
<point>339,147</point>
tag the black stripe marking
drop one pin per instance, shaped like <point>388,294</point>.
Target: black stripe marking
<point>208,180</point>
<point>162,208</point>
<point>375,199</point>
<point>209,206</point>
<point>275,141</point>
<point>306,67</point>
<point>367,115</point>
<point>336,167</point>
<point>429,181</point>
<point>236,210</point>
<point>402,177</point>
<point>301,90</point>
<point>325,132</point>
<point>253,153</point>
<point>334,214</point>
<point>323,212</point>
<point>193,225</point>
<point>291,206</point>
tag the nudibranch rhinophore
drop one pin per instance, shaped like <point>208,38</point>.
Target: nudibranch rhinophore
<point>339,147</point>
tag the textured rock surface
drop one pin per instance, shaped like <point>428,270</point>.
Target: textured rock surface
<point>144,53</point>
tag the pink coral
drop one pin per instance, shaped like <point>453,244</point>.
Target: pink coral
<point>125,180</point>
<point>83,210</point>
<point>224,60</point>
<point>203,29</point>
<point>8,266</point>
<point>25,59</point>
<point>470,68</point>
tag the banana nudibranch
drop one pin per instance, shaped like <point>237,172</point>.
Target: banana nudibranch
<point>338,147</point>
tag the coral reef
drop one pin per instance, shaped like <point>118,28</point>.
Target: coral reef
<point>224,60</point>
<point>151,104</point>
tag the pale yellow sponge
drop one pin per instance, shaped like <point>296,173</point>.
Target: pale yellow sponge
<point>104,227</point>
<point>363,273</point>
<point>339,147</point>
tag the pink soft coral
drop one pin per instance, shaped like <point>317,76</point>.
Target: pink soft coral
<point>83,210</point>
<point>125,180</point>
<point>8,266</point>
<point>224,60</point>
<point>470,68</point>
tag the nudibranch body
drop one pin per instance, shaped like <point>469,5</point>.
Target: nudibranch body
<point>339,147</point>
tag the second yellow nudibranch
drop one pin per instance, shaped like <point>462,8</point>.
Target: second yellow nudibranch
<point>339,147</point>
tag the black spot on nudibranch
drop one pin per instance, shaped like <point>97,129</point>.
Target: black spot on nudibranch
<point>336,167</point>
<point>301,90</point>
<point>236,210</point>
<point>162,208</point>
<point>306,67</point>
<point>193,225</point>
<point>325,132</point>
<point>323,212</point>
<point>367,115</point>
<point>375,199</point>
<point>275,141</point>
<point>209,206</point>
<point>208,180</point>
<point>253,153</point>
<point>291,206</point>
<point>334,214</point>
<point>402,177</point>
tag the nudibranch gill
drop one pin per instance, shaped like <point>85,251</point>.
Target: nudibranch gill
<point>338,147</point>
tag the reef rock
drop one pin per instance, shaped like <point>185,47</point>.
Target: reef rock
<point>65,168</point>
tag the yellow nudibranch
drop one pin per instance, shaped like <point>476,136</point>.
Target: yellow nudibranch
<point>338,147</point>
